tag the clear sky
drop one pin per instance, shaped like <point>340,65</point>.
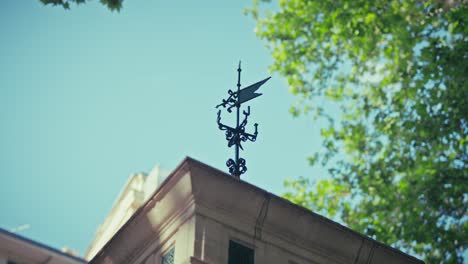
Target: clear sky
<point>88,97</point>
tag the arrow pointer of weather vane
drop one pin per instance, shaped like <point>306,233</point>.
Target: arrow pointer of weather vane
<point>236,135</point>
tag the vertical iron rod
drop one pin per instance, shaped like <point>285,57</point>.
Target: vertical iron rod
<point>237,169</point>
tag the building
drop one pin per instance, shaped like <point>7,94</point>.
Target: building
<point>134,194</point>
<point>200,215</point>
<point>15,249</point>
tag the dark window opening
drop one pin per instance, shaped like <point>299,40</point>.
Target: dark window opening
<point>239,254</point>
<point>168,258</point>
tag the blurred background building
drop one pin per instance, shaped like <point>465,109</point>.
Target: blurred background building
<point>15,249</point>
<point>135,193</point>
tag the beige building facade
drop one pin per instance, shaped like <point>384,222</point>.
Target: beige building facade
<point>201,215</point>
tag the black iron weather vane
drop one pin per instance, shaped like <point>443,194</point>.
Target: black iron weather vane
<point>236,135</point>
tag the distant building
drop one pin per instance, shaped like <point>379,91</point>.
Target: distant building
<point>134,194</point>
<point>15,249</point>
<point>200,215</point>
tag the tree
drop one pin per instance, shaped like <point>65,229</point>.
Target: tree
<point>396,152</point>
<point>113,5</point>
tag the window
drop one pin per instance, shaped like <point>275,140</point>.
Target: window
<point>168,258</point>
<point>239,254</point>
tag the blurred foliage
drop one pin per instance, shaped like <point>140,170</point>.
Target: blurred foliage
<point>113,5</point>
<point>397,153</point>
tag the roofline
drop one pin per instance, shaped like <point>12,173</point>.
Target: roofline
<point>188,159</point>
<point>308,211</point>
<point>41,245</point>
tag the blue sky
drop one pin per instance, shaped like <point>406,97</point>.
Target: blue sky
<point>88,97</point>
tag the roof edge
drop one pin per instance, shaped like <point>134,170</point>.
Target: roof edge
<point>40,245</point>
<point>306,210</point>
<point>186,165</point>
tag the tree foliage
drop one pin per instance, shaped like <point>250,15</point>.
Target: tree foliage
<point>397,151</point>
<point>113,5</point>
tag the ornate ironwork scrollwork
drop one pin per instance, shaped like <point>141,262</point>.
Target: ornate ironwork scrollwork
<point>234,168</point>
<point>236,135</point>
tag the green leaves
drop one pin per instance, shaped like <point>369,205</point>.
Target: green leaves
<point>398,71</point>
<point>113,5</point>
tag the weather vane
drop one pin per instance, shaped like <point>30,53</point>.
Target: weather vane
<point>236,135</point>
